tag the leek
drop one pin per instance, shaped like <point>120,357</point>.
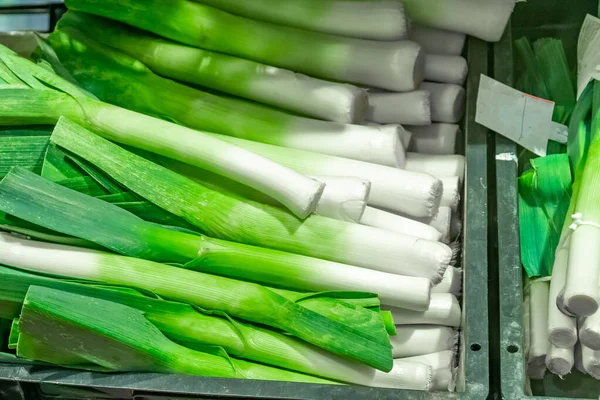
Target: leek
<point>440,222</point>
<point>581,293</point>
<point>447,101</point>
<point>124,81</point>
<point>438,41</point>
<point>381,20</point>
<point>446,69</point>
<point>254,223</point>
<point>416,340</point>
<point>410,108</point>
<point>442,363</point>
<point>126,341</point>
<point>52,206</point>
<point>589,331</point>
<point>562,329</point>
<point>560,360</point>
<point>538,322</point>
<point>438,139</point>
<point>236,298</point>
<point>266,84</point>
<point>344,197</point>
<point>412,193</point>
<point>398,66</point>
<point>590,360</point>
<point>451,282</point>
<point>186,325</point>
<point>22,151</point>
<point>483,19</point>
<point>443,310</point>
<point>436,165</point>
<point>413,375</point>
<point>40,104</point>
<point>395,223</point>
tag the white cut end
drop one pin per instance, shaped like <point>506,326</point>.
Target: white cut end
<point>589,331</point>
<point>485,20</point>
<point>590,360</point>
<point>441,222</point>
<point>405,375</point>
<point>344,198</point>
<point>451,282</point>
<point>443,310</point>
<point>436,139</point>
<point>538,322</point>
<point>560,361</point>
<point>410,108</point>
<point>395,223</point>
<point>397,66</point>
<point>416,340</point>
<point>365,143</point>
<point>562,329</point>
<point>581,293</point>
<point>446,69</point>
<point>436,165</point>
<point>438,41</point>
<point>451,192</point>
<point>447,101</point>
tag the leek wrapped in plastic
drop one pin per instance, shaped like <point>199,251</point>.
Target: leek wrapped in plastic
<point>247,301</point>
<point>380,20</point>
<point>42,97</point>
<point>119,79</point>
<point>126,341</point>
<point>393,65</point>
<point>263,83</point>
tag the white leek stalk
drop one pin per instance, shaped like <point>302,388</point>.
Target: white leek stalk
<point>395,223</point>
<point>443,310</point>
<point>451,193</point>
<point>248,79</point>
<point>590,360</point>
<point>538,317</point>
<point>416,340</point>
<point>407,375</point>
<point>589,331</point>
<point>451,282</point>
<point>446,69</point>
<point>483,19</point>
<point>436,165</point>
<point>447,101</point>
<point>562,329</point>
<point>559,360</point>
<point>344,198</point>
<point>405,136</point>
<point>377,20</point>
<point>393,65</point>
<point>409,108</point>
<point>441,222</point>
<point>415,194</point>
<point>438,139</point>
<point>438,41</point>
<point>442,363</point>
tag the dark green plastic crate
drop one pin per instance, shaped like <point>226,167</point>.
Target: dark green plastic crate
<point>536,18</point>
<point>474,381</point>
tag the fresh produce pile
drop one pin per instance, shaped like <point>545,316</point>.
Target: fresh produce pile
<point>558,197</point>
<point>177,197</point>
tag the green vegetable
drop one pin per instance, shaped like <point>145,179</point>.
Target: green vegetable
<point>348,333</point>
<point>126,341</point>
<point>49,97</point>
<point>124,81</point>
<point>393,65</point>
<point>266,84</point>
<point>192,328</point>
<point>231,218</point>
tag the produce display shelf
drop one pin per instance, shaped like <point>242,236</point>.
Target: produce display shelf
<point>534,19</point>
<point>26,382</point>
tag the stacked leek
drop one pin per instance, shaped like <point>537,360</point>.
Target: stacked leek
<point>559,222</point>
<point>222,197</point>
